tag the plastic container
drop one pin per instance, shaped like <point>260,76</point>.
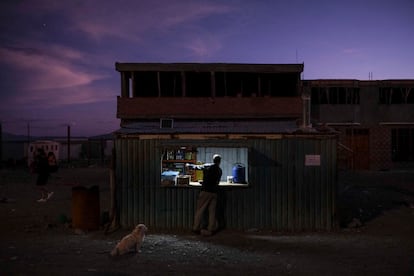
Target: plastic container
<point>239,173</point>
<point>199,174</point>
<point>85,208</point>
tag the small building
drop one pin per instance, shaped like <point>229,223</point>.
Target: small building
<point>277,172</point>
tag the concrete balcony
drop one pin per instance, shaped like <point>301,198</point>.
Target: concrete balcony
<point>209,108</point>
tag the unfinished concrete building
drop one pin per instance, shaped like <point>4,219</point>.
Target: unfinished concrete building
<point>375,120</point>
<point>215,91</point>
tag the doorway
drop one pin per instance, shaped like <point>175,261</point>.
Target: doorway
<point>358,141</point>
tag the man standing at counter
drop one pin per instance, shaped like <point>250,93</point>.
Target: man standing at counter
<point>207,199</point>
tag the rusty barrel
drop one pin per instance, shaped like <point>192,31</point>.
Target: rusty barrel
<point>85,208</point>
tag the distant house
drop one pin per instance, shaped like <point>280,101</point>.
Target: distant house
<point>46,145</point>
<point>277,172</point>
<point>375,120</point>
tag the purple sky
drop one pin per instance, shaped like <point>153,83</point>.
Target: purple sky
<point>57,57</point>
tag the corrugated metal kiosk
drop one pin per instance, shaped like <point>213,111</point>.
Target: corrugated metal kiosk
<point>290,180</point>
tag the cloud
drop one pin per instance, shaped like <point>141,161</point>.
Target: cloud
<point>87,94</point>
<point>49,75</point>
<point>119,22</point>
<point>51,69</point>
<point>131,20</point>
<point>351,51</point>
<point>80,105</point>
<point>203,47</point>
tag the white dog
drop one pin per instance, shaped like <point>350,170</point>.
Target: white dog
<point>131,242</point>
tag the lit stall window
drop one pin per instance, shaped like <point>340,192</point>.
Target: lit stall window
<point>176,172</point>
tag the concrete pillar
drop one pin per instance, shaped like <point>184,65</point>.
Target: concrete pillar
<point>183,81</point>
<point>213,84</point>
<point>124,85</point>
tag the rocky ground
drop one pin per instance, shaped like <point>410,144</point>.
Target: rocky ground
<point>376,237</point>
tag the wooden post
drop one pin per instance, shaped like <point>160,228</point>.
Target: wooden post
<point>1,146</point>
<point>28,132</point>
<point>102,151</point>
<point>113,224</point>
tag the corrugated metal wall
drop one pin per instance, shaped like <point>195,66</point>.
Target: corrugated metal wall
<point>283,195</point>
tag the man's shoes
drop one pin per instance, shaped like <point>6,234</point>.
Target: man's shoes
<point>49,195</point>
<point>205,233</point>
<point>196,232</point>
<point>42,200</point>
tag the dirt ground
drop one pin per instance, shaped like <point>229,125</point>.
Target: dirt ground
<point>376,235</point>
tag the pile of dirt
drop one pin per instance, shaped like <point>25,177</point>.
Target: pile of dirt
<point>363,196</point>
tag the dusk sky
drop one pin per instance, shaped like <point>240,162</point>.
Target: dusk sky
<point>57,57</point>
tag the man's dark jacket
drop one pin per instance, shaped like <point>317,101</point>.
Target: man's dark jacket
<point>211,178</point>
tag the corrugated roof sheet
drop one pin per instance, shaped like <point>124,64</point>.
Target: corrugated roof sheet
<point>152,127</point>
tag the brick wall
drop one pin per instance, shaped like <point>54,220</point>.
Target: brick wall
<point>379,149</point>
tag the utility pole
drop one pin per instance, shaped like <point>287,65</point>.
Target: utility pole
<point>68,143</point>
<point>1,146</point>
<point>28,132</point>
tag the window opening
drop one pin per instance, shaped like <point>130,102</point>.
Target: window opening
<point>198,84</point>
<point>145,84</point>
<point>175,172</point>
<point>402,144</point>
